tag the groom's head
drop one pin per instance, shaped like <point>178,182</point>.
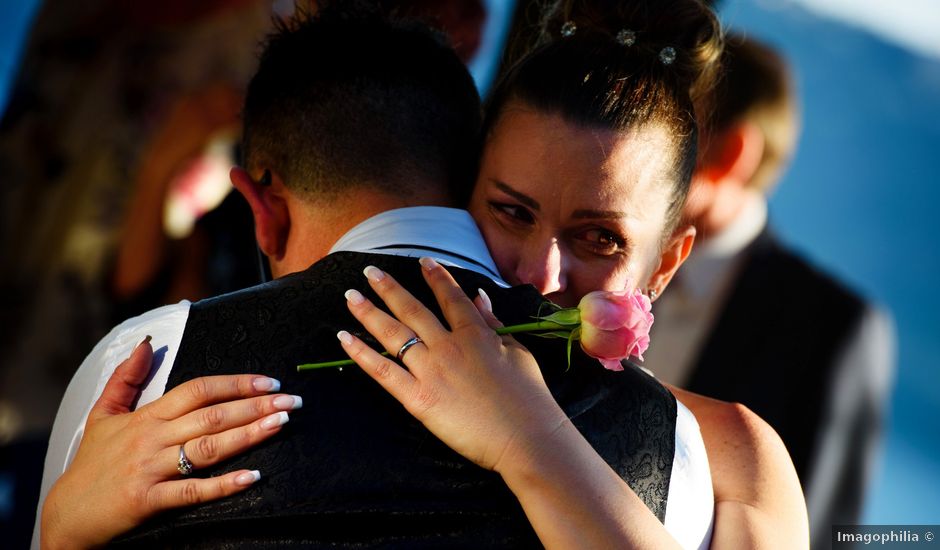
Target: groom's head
<point>350,110</point>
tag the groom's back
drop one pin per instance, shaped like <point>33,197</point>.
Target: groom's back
<point>352,467</point>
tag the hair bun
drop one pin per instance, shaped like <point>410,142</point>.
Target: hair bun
<point>689,27</point>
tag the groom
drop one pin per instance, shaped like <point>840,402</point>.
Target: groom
<point>358,136</point>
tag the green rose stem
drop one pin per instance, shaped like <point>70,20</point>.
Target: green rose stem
<point>542,325</point>
<point>537,326</point>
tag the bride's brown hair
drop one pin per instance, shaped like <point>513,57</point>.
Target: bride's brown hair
<point>584,68</point>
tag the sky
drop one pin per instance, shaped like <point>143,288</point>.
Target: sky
<point>913,24</point>
<point>860,198</point>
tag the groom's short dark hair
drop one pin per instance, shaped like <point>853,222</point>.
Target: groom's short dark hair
<point>351,98</point>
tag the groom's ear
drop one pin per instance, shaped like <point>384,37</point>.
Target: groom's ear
<point>266,197</point>
<point>673,255</point>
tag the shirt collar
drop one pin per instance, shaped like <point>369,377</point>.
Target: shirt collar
<point>449,235</point>
<point>712,260</point>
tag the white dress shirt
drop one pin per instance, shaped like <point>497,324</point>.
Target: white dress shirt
<point>446,234</point>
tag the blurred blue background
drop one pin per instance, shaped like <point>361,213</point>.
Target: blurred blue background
<point>859,200</point>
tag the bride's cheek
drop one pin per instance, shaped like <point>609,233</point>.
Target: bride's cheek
<point>505,258</point>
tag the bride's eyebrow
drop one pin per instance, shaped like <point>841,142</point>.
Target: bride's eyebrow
<point>598,214</point>
<point>521,197</point>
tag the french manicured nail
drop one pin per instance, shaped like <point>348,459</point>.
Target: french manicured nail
<point>344,337</point>
<point>248,478</point>
<point>275,420</point>
<point>487,303</point>
<point>373,273</point>
<point>355,297</point>
<point>266,384</point>
<point>428,263</point>
<point>288,402</point>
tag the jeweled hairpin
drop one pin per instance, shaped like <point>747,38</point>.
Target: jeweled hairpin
<point>568,29</point>
<point>667,55</point>
<point>626,37</point>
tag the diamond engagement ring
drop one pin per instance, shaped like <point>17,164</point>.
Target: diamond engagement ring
<point>406,345</point>
<point>184,466</point>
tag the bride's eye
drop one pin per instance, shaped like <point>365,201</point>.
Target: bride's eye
<point>512,213</point>
<point>603,241</point>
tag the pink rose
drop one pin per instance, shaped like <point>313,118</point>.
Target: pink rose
<point>615,326</point>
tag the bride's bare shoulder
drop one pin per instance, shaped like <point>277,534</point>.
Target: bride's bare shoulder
<point>749,463</point>
<point>732,422</point>
<point>735,437</point>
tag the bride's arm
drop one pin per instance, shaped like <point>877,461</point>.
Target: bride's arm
<point>484,396</point>
<point>573,499</point>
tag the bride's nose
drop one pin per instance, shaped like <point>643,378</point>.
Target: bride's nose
<point>543,266</point>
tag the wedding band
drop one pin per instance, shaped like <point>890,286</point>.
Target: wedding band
<point>406,345</point>
<point>184,466</point>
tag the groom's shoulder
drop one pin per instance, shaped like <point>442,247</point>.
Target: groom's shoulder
<point>280,324</point>
<point>164,325</point>
<point>165,319</point>
<point>329,273</point>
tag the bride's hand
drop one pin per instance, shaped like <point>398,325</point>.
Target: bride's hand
<point>480,393</point>
<point>125,469</point>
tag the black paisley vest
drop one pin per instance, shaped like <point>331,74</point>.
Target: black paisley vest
<point>352,468</point>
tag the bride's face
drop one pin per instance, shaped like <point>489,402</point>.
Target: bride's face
<point>572,209</point>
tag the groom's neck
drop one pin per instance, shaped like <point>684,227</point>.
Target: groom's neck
<point>315,226</point>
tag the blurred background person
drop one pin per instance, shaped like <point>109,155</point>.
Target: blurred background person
<point>752,321</point>
<point>118,110</point>
<point>859,198</point>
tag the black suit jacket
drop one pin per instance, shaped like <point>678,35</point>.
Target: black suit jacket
<point>353,468</point>
<point>813,360</point>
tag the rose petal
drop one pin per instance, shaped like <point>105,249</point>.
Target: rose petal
<point>611,364</point>
<point>605,311</point>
